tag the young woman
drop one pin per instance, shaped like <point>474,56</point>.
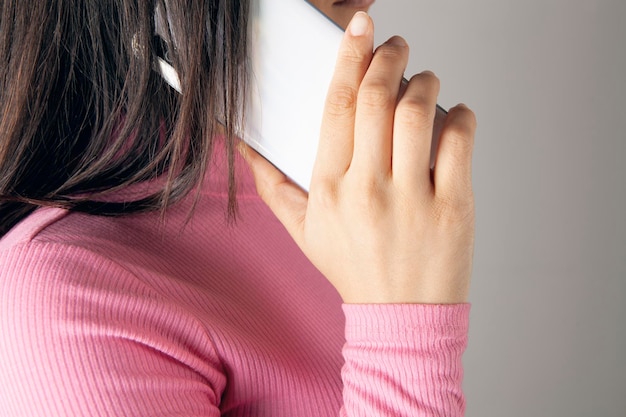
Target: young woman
<point>147,269</point>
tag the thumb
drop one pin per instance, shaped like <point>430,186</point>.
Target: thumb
<point>287,201</point>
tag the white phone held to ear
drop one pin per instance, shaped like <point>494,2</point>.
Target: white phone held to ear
<point>293,53</point>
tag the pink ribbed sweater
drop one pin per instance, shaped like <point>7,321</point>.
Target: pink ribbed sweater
<point>135,316</point>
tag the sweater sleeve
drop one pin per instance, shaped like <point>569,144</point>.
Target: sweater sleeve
<point>404,360</point>
<point>81,336</point>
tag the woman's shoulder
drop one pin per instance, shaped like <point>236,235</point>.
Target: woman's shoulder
<point>67,308</point>
<point>31,227</point>
<point>58,266</point>
<point>47,230</point>
<point>54,248</point>
<point>60,248</point>
<point>186,243</point>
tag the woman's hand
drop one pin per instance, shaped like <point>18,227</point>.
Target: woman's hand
<point>377,222</point>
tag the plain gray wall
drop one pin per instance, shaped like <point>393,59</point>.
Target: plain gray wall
<point>547,80</point>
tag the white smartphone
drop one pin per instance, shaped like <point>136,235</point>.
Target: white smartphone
<point>293,51</point>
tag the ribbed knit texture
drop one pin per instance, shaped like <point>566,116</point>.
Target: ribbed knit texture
<point>133,316</point>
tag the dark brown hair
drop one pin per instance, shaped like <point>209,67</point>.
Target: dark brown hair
<point>83,113</point>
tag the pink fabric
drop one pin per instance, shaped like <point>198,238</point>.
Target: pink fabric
<point>133,316</point>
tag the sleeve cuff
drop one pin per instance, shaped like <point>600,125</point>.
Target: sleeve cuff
<point>403,322</point>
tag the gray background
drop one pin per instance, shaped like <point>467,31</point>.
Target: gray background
<point>547,82</point>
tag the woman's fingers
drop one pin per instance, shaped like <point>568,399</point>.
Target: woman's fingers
<point>410,238</point>
<point>335,149</point>
<point>453,168</point>
<point>376,104</point>
<point>413,130</point>
<point>282,196</point>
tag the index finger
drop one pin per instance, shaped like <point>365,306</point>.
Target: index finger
<point>336,143</point>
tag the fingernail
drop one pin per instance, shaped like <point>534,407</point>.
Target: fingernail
<point>359,24</point>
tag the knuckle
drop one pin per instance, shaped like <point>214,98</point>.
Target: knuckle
<point>376,94</point>
<point>392,52</point>
<point>325,193</point>
<point>369,198</point>
<point>428,77</point>
<point>428,80</point>
<point>341,100</point>
<point>366,210</point>
<point>453,211</point>
<point>460,135</point>
<point>351,56</point>
<point>465,117</point>
<point>415,111</point>
<point>369,186</point>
